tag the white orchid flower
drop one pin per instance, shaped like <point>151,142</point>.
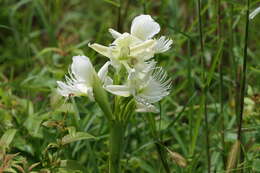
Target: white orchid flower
<point>145,28</point>
<point>127,50</point>
<point>81,78</point>
<point>147,87</point>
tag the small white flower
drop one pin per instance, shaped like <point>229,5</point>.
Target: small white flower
<point>254,13</point>
<point>81,78</point>
<point>145,28</point>
<point>126,48</point>
<point>147,87</point>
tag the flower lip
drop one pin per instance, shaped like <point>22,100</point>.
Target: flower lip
<point>156,85</point>
<point>163,44</point>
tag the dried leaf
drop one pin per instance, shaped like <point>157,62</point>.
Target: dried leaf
<point>33,166</point>
<point>177,158</point>
<point>19,168</point>
<point>233,157</point>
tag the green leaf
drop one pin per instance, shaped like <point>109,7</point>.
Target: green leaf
<point>47,50</point>
<point>129,109</point>
<point>22,144</point>
<point>72,130</point>
<point>234,2</point>
<point>214,64</point>
<point>72,165</point>
<point>33,124</point>
<point>112,3</point>
<point>10,170</point>
<point>76,136</point>
<point>256,165</point>
<point>7,138</point>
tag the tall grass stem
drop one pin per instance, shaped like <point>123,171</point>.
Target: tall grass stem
<point>119,22</point>
<point>204,88</point>
<point>243,83</point>
<point>222,117</point>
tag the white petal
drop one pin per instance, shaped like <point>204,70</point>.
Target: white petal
<point>102,74</point>
<point>104,50</point>
<point>144,27</point>
<point>82,69</point>
<point>126,40</point>
<point>108,81</point>
<point>67,90</point>
<point>162,44</point>
<point>254,13</point>
<point>63,89</point>
<point>146,46</point>
<point>114,33</point>
<point>120,90</point>
<point>156,87</point>
<point>143,67</point>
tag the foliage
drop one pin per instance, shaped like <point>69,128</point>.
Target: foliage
<point>40,132</point>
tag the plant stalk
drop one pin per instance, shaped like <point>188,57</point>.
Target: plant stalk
<point>221,90</point>
<point>204,88</point>
<point>243,84</point>
<point>116,142</point>
<point>119,22</point>
<point>243,76</point>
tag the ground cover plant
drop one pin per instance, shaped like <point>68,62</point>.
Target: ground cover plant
<point>207,121</point>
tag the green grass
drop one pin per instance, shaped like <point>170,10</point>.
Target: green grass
<point>38,39</point>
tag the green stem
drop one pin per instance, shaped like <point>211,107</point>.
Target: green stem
<point>204,90</point>
<point>221,90</point>
<point>117,131</point>
<point>101,98</point>
<point>243,86</point>
<point>162,154</point>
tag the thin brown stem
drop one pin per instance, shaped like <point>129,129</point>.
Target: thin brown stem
<point>119,23</point>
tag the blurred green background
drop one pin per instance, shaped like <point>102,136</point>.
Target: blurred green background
<point>37,41</point>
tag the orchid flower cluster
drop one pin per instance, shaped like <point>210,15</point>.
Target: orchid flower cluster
<point>130,58</point>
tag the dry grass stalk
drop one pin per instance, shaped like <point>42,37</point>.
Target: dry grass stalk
<point>233,157</point>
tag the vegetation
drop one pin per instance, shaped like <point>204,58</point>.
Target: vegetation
<point>210,122</point>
